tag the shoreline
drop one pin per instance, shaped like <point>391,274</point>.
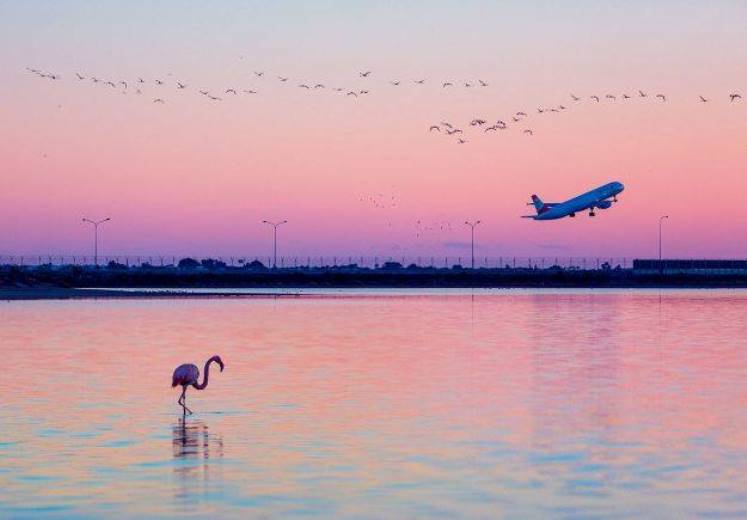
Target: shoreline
<point>68,293</point>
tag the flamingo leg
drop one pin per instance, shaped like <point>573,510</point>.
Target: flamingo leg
<point>183,402</point>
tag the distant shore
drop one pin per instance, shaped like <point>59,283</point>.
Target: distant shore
<point>216,279</point>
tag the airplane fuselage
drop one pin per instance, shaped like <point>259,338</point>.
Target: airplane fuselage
<point>600,198</point>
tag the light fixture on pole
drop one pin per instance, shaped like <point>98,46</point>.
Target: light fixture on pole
<point>275,226</point>
<point>472,226</point>
<point>96,224</point>
<point>661,219</point>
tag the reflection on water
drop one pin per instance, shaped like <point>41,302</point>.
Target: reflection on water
<point>465,404</point>
<point>192,441</point>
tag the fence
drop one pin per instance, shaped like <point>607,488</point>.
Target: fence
<point>310,262</point>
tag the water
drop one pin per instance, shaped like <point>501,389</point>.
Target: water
<point>378,405</point>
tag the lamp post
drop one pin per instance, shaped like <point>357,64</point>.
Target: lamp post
<point>661,219</point>
<point>275,226</point>
<point>472,226</point>
<point>96,237</point>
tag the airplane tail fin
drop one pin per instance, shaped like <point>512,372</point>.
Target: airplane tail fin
<point>538,204</point>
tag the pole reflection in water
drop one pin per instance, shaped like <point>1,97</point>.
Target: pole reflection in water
<point>197,459</point>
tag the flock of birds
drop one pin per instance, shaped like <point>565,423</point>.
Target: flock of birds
<point>520,119</point>
<point>138,86</point>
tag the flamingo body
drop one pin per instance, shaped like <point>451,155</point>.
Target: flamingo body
<point>188,375</point>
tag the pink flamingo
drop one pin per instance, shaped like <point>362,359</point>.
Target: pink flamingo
<point>188,374</point>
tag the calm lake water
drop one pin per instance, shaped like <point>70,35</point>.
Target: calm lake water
<point>378,405</point>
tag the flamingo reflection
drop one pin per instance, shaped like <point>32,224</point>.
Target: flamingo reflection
<point>191,440</point>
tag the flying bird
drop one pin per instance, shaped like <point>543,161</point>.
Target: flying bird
<point>180,85</point>
<point>520,114</point>
<point>230,91</point>
<point>661,96</point>
<point>304,85</point>
<point>575,98</point>
<point>111,84</point>
<point>528,132</point>
<point>281,78</point>
<point>364,74</point>
<point>259,74</point>
<point>625,96</point>
<point>204,92</point>
<point>318,85</point>
<point>434,127</point>
<point>491,128</point>
<point>395,83</point>
<point>140,80</point>
<point>188,374</point>
<point>158,100</point>
<point>419,81</point>
<point>477,122</point>
<point>642,93</point>
<point>610,96</point>
<point>461,141</point>
<point>468,84</point>
<point>703,100</point>
<point>447,84</point>
<point>500,124</point>
<point>454,131</point>
<point>159,82</point>
<point>123,83</point>
<point>80,76</point>
<point>363,92</point>
<point>595,98</point>
<point>351,93</point>
<point>482,83</point>
<point>732,97</point>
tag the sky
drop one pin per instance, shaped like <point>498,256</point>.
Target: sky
<point>364,175</point>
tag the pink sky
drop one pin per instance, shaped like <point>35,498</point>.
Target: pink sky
<point>194,177</point>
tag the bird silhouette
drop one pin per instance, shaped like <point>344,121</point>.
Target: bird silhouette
<point>523,114</point>
<point>187,375</point>
<point>528,132</point>
<point>395,82</point>
<point>80,76</point>
<point>642,93</point>
<point>575,98</point>
<point>123,83</point>
<point>231,91</point>
<point>363,92</point>
<point>595,98</point>
<point>703,100</point>
<point>180,85</point>
<point>364,74</point>
<point>159,82</point>
<point>461,141</point>
<point>318,85</point>
<point>250,91</point>
<point>304,85</point>
<point>733,97</point>
<point>158,100</point>
<point>259,74</point>
<point>419,81</point>
<point>447,84</point>
<point>351,93</point>
<point>610,96</point>
<point>661,96</point>
<point>281,78</point>
<point>482,83</point>
<point>434,127</point>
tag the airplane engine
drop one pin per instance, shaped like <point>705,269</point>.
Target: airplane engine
<point>605,204</point>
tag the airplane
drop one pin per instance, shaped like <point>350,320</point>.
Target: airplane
<point>599,198</point>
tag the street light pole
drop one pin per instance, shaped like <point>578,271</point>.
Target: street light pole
<point>472,226</point>
<point>661,219</point>
<point>96,237</point>
<point>275,226</point>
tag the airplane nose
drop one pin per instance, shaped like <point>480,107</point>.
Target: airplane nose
<point>620,186</point>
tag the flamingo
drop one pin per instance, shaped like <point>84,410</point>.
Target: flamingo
<point>188,374</point>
